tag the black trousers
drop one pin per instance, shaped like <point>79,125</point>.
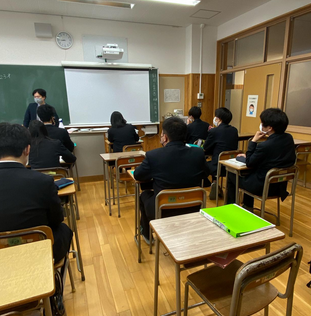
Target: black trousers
<point>62,240</point>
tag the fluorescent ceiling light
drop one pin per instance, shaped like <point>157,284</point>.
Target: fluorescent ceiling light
<point>104,3</point>
<point>182,2</point>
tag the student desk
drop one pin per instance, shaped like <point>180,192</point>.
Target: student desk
<point>27,275</point>
<point>301,142</point>
<point>192,237</point>
<point>236,169</point>
<point>109,161</point>
<point>69,191</point>
<point>110,144</point>
<point>244,139</point>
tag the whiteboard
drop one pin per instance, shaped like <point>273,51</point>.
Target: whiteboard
<point>93,94</point>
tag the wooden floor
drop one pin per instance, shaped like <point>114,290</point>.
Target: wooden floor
<point>117,285</point>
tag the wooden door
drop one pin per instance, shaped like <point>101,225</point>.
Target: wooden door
<point>263,82</point>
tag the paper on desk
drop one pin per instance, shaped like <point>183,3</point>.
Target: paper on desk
<point>233,161</point>
<point>71,130</point>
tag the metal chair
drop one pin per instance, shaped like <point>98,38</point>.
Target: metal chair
<point>177,199</point>
<point>225,155</point>
<point>128,162</point>
<point>244,289</point>
<point>28,235</point>
<point>135,147</point>
<point>278,175</point>
<point>303,150</point>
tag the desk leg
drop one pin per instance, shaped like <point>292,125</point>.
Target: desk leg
<point>108,187</point>
<point>237,198</point>
<point>156,276</point>
<point>226,191</point>
<point>177,278</point>
<point>105,175</point>
<point>47,306</point>
<point>75,229</point>
<point>112,184</point>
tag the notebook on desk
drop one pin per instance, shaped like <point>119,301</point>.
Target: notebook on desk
<point>235,162</point>
<point>236,220</point>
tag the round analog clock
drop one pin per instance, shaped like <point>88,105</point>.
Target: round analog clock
<point>64,40</point>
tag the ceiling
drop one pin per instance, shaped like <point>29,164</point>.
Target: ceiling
<point>208,12</point>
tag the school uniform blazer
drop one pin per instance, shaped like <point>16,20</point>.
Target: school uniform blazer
<point>31,114</point>
<point>29,198</point>
<point>121,136</point>
<point>173,166</point>
<point>278,151</point>
<point>46,154</point>
<point>197,129</point>
<point>222,138</point>
<point>61,134</point>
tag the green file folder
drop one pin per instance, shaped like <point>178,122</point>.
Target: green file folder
<point>235,220</point>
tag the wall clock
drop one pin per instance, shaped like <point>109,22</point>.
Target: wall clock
<point>64,40</point>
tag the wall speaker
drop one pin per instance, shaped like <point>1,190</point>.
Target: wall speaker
<point>43,30</point>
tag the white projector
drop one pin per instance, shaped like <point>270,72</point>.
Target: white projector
<point>111,51</point>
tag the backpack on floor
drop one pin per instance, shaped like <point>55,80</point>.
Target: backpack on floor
<point>309,284</point>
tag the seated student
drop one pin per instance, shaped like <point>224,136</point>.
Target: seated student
<point>278,151</point>
<point>31,111</point>
<point>46,152</point>
<point>173,166</point>
<point>120,133</point>
<point>196,128</point>
<point>28,198</point>
<point>222,138</point>
<point>46,115</point>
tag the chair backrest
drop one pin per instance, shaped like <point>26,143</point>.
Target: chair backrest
<point>278,175</point>
<point>264,269</point>
<point>56,173</point>
<point>130,161</point>
<point>24,236</point>
<point>135,147</point>
<point>303,150</point>
<point>179,198</point>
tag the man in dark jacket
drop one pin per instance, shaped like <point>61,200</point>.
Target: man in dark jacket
<point>46,115</point>
<point>278,151</point>
<point>28,198</point>
<point>222,138</point>
<point>173,166</point>
<point>31,111</point>
<point>196,128</point>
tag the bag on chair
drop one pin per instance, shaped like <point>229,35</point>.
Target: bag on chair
<point>57,305</point>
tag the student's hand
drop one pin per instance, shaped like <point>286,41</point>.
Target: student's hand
<point>190,119</point>
<point>258,135</point>
<point>241,155</point>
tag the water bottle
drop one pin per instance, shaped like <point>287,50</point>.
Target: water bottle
<point>61,124</point>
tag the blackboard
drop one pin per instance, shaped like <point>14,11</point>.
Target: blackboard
<point>17,83</point>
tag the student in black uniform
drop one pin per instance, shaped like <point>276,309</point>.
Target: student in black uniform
<point>44,151</point>
<point>196,128</point>
<point>120,133</point>
<point>278,151</point>
<point>222,138</point>
<point>46,115</point>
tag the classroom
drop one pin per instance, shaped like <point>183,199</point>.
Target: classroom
<point>246,56</point>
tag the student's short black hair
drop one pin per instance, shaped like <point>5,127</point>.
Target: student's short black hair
<point>117,119</point>
<point>251,105</point>
<point>14,138</point>
<point>195,111</point>
<point>224,114</point>
<point>275,118</point>
<point>45,112</point>
<point>42,92</point>
<point>175,129</point>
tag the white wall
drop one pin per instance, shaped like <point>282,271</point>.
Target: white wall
<point>161,46</point>
<point>259,15</point>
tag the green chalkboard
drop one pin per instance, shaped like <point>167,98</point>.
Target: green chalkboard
<point>17,83</point>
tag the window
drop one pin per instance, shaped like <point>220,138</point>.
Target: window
<point>301,40</point>
<point>275,41</point>
<point>227,62</point>
<point>249,49</point>
<point>298,99</point>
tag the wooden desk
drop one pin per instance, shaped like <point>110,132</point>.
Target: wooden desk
<point>109,161</point>
<point>27,275</point>
<point>301,142</point>
<point>236,169</point>
<point>191,237</point>
<point>244,139</point>
<point>110,144</point>
<point>69,191</point>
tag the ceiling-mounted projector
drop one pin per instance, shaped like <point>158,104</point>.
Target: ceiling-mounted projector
<point>111,51</point>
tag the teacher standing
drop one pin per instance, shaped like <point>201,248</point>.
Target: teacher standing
<point>120,133</point>
<point>31,112</point>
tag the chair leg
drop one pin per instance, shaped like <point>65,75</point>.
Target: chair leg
<point>266,310</point>
<point>289,305</point>
<point>292,216</point>
<point>186,299</point>
<point>262,213</point>
<point>278,222</point>
<point>72,282</point>
<point>150,239</point>
<point>118,196</point>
